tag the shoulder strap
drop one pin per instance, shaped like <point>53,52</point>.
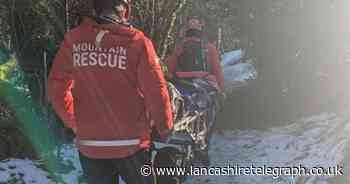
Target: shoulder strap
<point>204,54</point>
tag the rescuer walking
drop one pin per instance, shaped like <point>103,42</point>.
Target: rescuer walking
<point>107,85</point>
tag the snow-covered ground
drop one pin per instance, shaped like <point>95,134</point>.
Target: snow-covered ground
<point>315,141</point>
<point>22,172</point>
<point>238,75</point>
<point>237,72</point>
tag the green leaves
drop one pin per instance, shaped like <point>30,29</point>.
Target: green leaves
<point>7,68</point>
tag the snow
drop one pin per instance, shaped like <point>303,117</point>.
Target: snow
<point>232,57</point>
<point>240,72</point>
<point>314,141</point>
<point>237,75</point>
<point>22,171</point>
<point>70,156</point>
<point>236,71</point>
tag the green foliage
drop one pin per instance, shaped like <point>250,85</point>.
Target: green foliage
<point>7,68</point>
<point>6,115</point>
<point>13,142</point>
<point>32,26</point>
<point>4,55</point>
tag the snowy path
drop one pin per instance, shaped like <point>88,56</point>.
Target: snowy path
<point>316,141</point>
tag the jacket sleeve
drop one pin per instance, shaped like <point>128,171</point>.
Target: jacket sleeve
<point>155,90</point>
<point>171,61</point>
<point>60,84</point>
<point>216,69</point>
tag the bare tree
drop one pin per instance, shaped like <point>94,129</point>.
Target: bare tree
<point>157,18</point>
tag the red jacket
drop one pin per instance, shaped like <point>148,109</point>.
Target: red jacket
<point>103,81</point>
<point>213,59</point>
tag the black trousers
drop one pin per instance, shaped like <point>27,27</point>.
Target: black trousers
<point>107,171</point>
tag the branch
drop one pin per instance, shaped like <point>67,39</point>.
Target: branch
<point>171,27</point>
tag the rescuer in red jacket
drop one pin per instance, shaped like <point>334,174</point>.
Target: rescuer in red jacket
<point>195,57</point>
<point>107,85</point>
<point>189,60</point>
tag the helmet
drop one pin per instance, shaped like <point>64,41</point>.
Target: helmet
<point>127,2</point>
<point>194,23</point>
<point>100,5</point>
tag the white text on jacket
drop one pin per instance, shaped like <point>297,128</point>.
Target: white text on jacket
<point>87,54</point>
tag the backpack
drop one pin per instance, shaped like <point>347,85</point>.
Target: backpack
<point>194,57</point>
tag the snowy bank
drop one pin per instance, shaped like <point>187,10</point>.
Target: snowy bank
<point>315,141</point>
<point>22,172</point>
<point>236,72</point>
<point>232,57</point>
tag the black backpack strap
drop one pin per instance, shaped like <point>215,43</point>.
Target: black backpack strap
<point>182,43</point>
